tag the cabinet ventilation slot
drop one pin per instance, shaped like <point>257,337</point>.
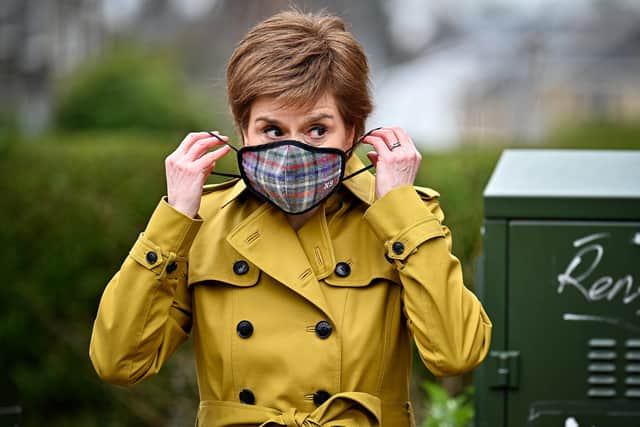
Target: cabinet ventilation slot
<point>601,392</point>
<point>604,379</point>
<point>602,356</point>
<point>633,343</point>
<point>602,367</point>
<point>603,343</point>
<point>601,380</point>
<point>632,381</point>
<point>633,368</point>
<point>632,356</point>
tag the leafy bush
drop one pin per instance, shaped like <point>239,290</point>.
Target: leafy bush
<point>127,89</point>
<point>445,411</point>
<point>72,207</point>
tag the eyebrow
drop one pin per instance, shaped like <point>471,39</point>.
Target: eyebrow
<point>315,118</point>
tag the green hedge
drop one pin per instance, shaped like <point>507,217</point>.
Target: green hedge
<point>72,207</point>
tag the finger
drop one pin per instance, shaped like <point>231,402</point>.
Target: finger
<point>366,134</point>
<point>387,135</point>
<point>378,144</point>
<point>208,161</point>
<point>188,140</point>
<point>194,137</point>
<point>201,146</point>
<point>404,138</point>
<point>373,158</point>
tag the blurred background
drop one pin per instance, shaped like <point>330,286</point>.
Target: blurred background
<point>95,94</point>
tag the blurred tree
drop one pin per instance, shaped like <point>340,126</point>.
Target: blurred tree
<point>128,90</point>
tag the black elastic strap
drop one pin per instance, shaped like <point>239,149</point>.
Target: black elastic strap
<point>357,172</point>
<point>222,140</point>
<point>231,175</point>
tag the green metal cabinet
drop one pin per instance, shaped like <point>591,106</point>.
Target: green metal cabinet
<point>560,279</point>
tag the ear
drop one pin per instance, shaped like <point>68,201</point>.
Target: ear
<point>351,135</point>
<point>243,134</point>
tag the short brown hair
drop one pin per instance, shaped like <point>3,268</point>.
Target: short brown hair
<point>297,57</point>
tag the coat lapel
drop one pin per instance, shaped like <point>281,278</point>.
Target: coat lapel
<point>267,240</point>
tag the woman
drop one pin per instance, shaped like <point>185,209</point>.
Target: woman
<point>302,283</point>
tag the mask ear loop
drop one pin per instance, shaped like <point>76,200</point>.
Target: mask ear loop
<point>351,150</point>
<point>225,142</point>
<point>230,175</point>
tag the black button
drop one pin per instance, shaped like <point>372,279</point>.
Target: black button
<point>152,257</point>
<point>343,269</point>
<point>320,396</point>
<point>244,328</point>
<point>398,248</point>
<point>323,329</point>
<point>246,396</point>
<point>171,267</point>
<point>240,267</point>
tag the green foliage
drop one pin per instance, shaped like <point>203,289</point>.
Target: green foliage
<point>445,411</point>
<point>597,135</point>
<point>72,207</point>
<point>460,177</point>
<point>127,89</point>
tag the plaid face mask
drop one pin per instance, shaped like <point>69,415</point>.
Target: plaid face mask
<point>293,176</point>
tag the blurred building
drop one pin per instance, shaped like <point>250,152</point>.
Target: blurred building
<point>556,73</point>
<point>40,41</point>
<point>506,75</point>
<point>446,72</point>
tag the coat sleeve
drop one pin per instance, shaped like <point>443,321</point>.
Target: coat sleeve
<point>448,323</point>
<point>145,310</point>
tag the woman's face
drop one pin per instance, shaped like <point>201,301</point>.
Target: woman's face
<point>319,126</point>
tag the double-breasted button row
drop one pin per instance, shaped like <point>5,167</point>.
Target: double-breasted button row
<point>242,267</point>
<point>323,329</point>
<point>246,396</point>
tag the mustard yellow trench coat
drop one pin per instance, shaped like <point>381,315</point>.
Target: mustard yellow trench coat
<point>306,328</point>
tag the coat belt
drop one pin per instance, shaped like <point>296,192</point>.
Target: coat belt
<point>348,409</point>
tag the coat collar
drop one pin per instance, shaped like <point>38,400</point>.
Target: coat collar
<point>363,185</point>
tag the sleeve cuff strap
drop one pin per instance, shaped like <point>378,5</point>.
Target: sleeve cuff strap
<point>170,230</point>
<point>402,221</point>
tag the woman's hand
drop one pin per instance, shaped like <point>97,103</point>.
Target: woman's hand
<point>395,157</point>
<point>189,167</point>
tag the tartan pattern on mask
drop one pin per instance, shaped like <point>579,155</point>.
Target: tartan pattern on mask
<point>293,178</point>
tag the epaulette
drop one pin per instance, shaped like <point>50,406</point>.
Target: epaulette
<point>426,193</point>
<point>210,188</point>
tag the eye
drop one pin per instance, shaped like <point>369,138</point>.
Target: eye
<point>318,131</point>
<point>272,131</point>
